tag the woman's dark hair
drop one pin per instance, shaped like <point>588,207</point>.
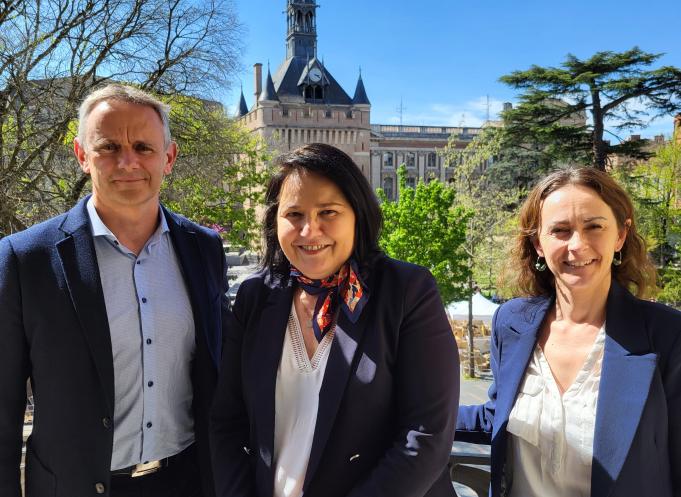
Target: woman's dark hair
<point>337,167</point>
<point>636,271</point>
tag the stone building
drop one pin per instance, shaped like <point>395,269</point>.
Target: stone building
<point>301,103</point>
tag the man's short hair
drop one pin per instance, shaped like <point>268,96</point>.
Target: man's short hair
<point>122,93</point>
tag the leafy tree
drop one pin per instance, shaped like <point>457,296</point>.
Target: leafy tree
<point>219,178</point>
<point>490,225</point>
<point>425,226</point>
<point>53,52</point>
<point>655,187</point>
<point>611,87</point>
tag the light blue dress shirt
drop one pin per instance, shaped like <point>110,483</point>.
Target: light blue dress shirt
<point>153,344</point>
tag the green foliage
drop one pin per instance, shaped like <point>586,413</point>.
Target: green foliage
<point>219,177</point>
<point>551,120</point>
<point>425,227</point>
<point>492,202</point>
<point>671,287</point>
<point>655,188</point>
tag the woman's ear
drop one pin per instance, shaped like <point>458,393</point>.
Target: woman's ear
<point>537,246</point>
<point>622,235</point>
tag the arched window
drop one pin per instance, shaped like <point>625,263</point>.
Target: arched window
<point>388,187</point>
<point>432,159</point>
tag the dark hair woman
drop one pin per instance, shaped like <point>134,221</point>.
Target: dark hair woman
<point>587,377</point>
<point>340,371</point>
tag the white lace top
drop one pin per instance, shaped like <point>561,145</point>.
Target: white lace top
<point>551,437</point>
<point>299,380</point>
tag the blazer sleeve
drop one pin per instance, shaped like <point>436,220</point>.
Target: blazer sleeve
<point>14,371</point>
<point>229,424</point>
<point>672,387</point>
<point>474,423</point>
<point>427,388</point>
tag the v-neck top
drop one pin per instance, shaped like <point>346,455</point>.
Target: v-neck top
<point>299,380</point>
<point>551,436</point>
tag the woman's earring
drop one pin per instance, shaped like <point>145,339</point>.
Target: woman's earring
<point>617,260</point>
<point>540,265</point>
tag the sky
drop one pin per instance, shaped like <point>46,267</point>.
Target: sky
<point>443,58</point>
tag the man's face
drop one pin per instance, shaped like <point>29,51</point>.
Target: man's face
<point>124,154</point>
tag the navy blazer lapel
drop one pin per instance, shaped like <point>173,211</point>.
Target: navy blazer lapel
<point>79,263</point>
<point>269,343</point>
<point>342,360</point>
<point>192,260</point>
<point>628,369</point>
<point>517,344</point>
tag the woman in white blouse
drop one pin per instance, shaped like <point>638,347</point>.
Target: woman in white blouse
<point>587,378</point>
<point>340,372</point>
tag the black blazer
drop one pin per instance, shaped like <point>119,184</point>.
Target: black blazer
<point>388,401</point>
<point>54,330</point>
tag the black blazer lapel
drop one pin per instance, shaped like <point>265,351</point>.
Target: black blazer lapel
<point>627,372</point>
<point>342,361</point>
<point>79,263</point>
<point>192,261</point>
<point>268,346</point>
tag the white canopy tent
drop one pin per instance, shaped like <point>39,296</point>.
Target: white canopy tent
<point>483,309</point>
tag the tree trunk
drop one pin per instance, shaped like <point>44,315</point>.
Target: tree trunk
<point>471,350</point>
<point>599,147</point>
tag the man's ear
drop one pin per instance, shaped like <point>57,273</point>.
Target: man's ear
<point>171,156</point>
<point>81,155</point>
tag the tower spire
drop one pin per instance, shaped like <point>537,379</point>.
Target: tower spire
<point>301,35</point>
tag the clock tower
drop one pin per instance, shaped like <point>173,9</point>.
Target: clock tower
<point>301,36</point>
<point>301,102</point>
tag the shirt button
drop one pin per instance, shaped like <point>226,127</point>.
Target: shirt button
<point>150,384</point>
<point>100,488</point>
<point>139,262</point>
<point>148,341</point>
<point>144,300</point>
<point>106,422</point>
<point>149,425</point>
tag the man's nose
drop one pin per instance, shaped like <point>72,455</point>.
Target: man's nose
<point>127,159</point>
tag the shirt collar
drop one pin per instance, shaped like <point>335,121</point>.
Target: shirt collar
<point>100,229</point>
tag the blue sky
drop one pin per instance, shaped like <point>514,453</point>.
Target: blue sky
<point>443,58</point>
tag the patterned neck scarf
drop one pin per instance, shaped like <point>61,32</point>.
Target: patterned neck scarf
<point>343,287</point>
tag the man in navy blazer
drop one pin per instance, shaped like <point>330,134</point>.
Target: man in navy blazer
<point>637,439</point>
<point>114,312</point>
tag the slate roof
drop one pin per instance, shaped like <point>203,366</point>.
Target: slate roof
<point>360,97</point>
<point>289,74</point>
<point>269,93</point>
<point>243,108</point>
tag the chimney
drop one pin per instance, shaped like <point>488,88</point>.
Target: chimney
<point>257,71</point>
<point>635,138</point>
<point>508,106</point>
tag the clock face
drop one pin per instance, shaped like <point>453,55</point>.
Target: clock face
<point>315,74</point>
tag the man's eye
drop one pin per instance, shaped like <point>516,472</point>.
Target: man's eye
<point>143,148</point>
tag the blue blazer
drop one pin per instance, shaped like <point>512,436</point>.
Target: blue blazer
<point>637,440</point>
<point>54,330</point>
<point>387,405</point>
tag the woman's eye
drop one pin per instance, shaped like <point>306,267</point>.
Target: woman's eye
<point>558,230</point>
<point>293,214</point>
<point>328,212</point>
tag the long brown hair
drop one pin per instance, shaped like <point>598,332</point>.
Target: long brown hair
<point>636,272</point>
